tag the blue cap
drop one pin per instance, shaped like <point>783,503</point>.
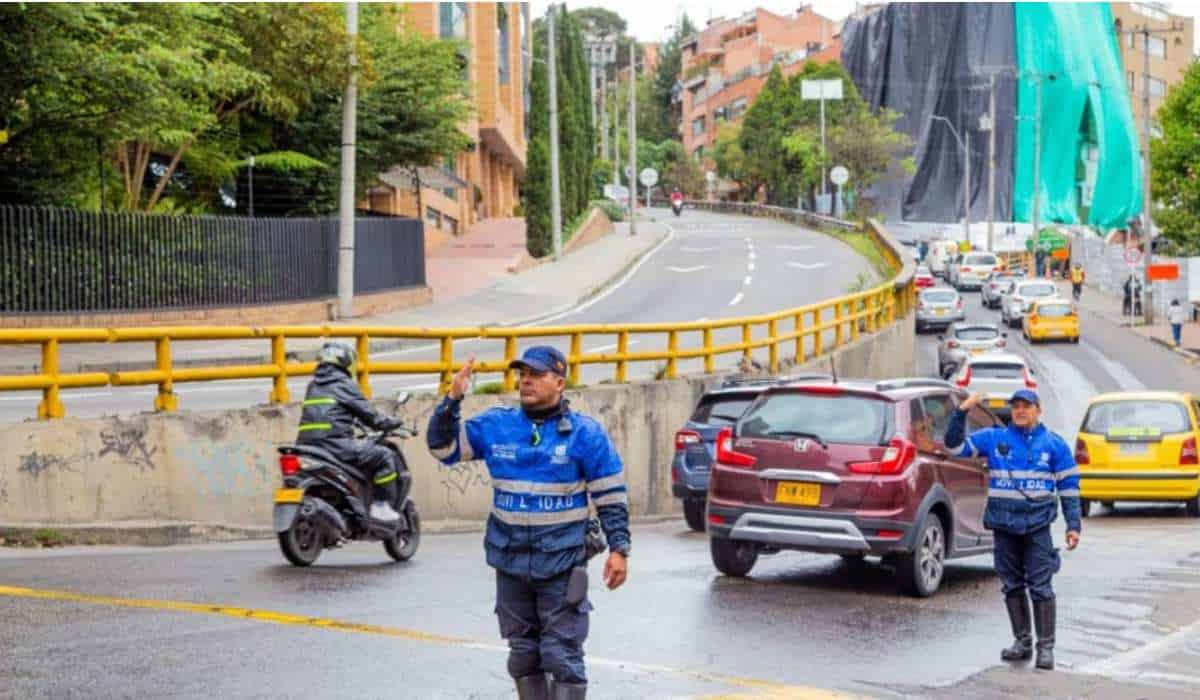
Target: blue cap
<point>1027,396</point>
<point>542,358</point>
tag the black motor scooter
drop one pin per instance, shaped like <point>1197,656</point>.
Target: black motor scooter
<point>324,502</point>
<point>677,206</point>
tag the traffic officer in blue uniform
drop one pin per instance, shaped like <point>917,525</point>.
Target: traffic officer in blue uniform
<point>1027,466</point>
<point>545,461</point>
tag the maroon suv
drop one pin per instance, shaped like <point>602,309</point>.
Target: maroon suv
<point>855,468</point>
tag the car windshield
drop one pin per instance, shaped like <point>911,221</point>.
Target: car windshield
<point>1037,290</point>
<point>939,297</point>
<point>1054,310</point>
<point>977,333</point>
<point>980,260</point>
<point>721,410</point>
<point>845,419</point>
<point>997,370</point>
<point>923,271</point>
<point>1137,416</point>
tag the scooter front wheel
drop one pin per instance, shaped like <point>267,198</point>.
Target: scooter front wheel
<point>404,545</point>
<point>301,543</point>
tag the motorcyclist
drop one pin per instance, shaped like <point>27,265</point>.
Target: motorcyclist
<point>333,406</point>
<point>1077,278</point>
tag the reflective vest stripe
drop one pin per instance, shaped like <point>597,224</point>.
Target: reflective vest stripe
<point>319,402</point>
<point>385,479</point>
<point>315,426</point>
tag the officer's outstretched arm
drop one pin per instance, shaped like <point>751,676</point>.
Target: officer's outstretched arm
<point>1066,476</point>
<point>605,476</point>
<point>447,435</point>
<point>978,444</point>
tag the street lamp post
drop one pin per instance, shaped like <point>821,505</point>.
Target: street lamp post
<point>633,138</point>
<point>966,148</point>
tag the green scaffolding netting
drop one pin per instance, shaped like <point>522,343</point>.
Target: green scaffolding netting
<point>1084,109</point>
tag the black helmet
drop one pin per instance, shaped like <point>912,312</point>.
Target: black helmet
<point>340,355</point>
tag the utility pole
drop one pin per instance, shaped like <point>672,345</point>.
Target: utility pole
<point>967,183</point>
<point>346,205</point>
<point>823,146</point>
<point>1037,162</point>
<point>633,138</point>
<point>555,195</point>
<point>603,117</point>
<point>616,127</point>
<point>991,212</point>
<point>251,174</point>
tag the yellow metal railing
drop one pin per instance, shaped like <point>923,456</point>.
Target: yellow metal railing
<point>799,334</point>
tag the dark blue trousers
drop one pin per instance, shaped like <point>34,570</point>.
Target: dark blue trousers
<point>1027,561</point>
<point>544,632</point>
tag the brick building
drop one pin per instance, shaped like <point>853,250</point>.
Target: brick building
<point>1170,54</point>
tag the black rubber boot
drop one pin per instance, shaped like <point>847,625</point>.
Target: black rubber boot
<point>1044,612</point>
<point>567,691</point>
<point>532,687</point>
<point>1022,628</point>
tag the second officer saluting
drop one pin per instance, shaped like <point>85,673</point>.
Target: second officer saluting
<point>545,460</point>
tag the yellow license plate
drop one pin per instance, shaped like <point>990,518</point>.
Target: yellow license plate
<point>940,312</point>
<point>997,403</point>
<point>798,494</point>
<point>978,351</point>
<point>289,495</point>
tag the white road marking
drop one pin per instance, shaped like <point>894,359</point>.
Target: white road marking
<point>795,247</point>
<point>606,348</point>
<point>808,266</point>
<point>1118,371</point>
<point>1073,389</point>
<point>747,280</point>
<point>750,267</point>
<point>1125,663</point>
<point>688,269</point>
<point>737,299</point>
<point>688,249</point>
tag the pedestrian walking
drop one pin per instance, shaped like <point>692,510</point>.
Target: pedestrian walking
<point>1028,465</point>
<point>545,460</point>
<point>1077,278</point>
<point>1177,315</point>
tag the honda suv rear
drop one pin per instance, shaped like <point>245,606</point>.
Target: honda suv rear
<point>855,468</point>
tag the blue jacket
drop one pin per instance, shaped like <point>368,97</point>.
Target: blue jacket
<point>1026,468</point>
<point>542,474</point>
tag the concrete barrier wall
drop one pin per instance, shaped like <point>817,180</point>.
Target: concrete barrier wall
<point>220,468</point>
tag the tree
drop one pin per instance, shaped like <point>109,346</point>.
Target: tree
<point>1175,166</point>
<point>727,153</point>
<point>670,66</point>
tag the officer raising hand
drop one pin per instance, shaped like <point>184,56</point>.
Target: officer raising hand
<point>1028,466</point>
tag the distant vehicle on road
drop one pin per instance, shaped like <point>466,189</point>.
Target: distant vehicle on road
<point>995,286</point>
<point>1140,447</point>
<point>939,256</point>
<point>938,307</point>
<point>970,270</point>
<point>996,375</point>
<point>923,278</point>
<point>1021,295</point>
<point>1051,319</point>
<point>855,468</point>
<point>963,340</point>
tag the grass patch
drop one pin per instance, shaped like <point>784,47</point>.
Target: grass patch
<point>49,537</point>
<point>864,245</point>
<point>488,388</point>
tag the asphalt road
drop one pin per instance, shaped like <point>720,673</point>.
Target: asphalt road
<point>712,266</point>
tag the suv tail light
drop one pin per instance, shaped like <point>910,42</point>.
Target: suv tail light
<point>966,378</point>
<point>684,438</point>
<point>899,454</point>
<point>289,465</point>
<point>964,269</point>
<point>1030,383</point>
<point>959,304</point>
<point>727,455</point>
<point>1081,452</point>
<point>952,344</point>
<point>1187,452</point>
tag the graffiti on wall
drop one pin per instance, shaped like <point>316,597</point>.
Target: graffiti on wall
<point>35,463</point>
<point>129,443</point>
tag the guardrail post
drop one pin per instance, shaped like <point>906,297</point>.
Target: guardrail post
<point>573,360</point>
<point>839,335</point>
<point>510,354</point>
<point>447,361</point>
<point>747,338</point>
<point>279,390</point>
<point>672,352</point>
<point>873,309</point>
<point>890,302</point>
<point>50,406</point>
<point>819,336</point>
<point>773,348</point>
<point>799,328</point>
<point>622,349</point>
<point>166,400</point>
<point>364,364</point>
<point>709,364</point>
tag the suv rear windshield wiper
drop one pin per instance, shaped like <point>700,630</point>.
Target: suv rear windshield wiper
<point>796,433</point>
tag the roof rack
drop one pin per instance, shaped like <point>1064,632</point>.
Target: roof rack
<point>912,383</point>
<point>730,382</point>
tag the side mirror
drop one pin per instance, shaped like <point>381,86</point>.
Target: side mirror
<point>941,337</point>
<point>402,397</point>
<point>1003,335</point>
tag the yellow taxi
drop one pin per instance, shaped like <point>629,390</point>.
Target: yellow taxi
<point>1140,446</point>
<point>1051,319</point>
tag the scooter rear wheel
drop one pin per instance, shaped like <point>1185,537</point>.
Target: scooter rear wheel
<point>404,545</point>
<point>301,543</point>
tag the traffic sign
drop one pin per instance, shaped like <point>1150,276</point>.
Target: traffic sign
<point>839,175</point>
<point>648,177</point>
<point>1162,272</point>
<point>1133,256</point>
<point>710,176</point>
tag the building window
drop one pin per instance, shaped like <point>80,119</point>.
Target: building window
<point>720,114</point>
<point>1152,10</point>
<point>451,224</point>
<point>452,20</point>
<point>1132,81</point>
<point>1158,45</point>
<point>1158,88</point>
<point>502,43</point>
<point>433,216</point>
<point>698,127</point>
<point>737,109</point>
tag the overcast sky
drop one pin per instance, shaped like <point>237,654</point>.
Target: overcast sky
<point>648,19</point>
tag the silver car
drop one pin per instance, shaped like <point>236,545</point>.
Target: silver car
<point>995,286</point>
<point>971,270</point>
<point>996,375</point>
<point>1015,304</point>
<point>964,340</point>
<point>939,307</point>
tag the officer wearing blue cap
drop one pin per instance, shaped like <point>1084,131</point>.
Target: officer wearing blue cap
<point>1028,465</point>
<point>545,461</point>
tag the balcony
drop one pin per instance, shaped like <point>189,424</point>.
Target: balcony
<point>499,135</point>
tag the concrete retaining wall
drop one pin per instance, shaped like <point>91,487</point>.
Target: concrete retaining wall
<point>219,469</point>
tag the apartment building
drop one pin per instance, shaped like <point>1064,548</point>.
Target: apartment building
<point>726,64</point>
<point>1170,53</point>
<point>483,182</point>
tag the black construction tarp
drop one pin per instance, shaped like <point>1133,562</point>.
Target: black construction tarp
<point>926,60</point>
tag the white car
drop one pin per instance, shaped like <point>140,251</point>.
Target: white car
<point>996,375</point>
<point>972,270</point>
<point>1021,295</point>
<point>939,256</point>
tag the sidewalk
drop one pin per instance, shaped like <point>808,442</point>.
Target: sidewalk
<point>1109,308</point>
<point>509,300</point>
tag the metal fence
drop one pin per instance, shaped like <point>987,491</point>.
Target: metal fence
<point>62,260</point>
